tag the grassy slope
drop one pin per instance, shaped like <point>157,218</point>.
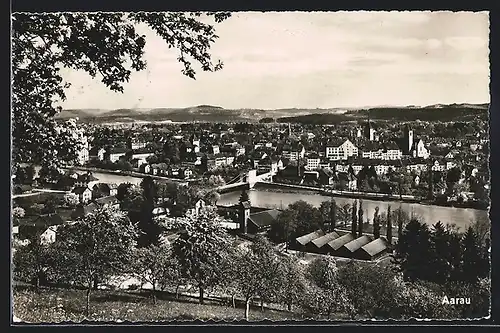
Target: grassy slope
<point>58,305</point>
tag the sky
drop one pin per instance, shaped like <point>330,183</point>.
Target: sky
<point>313,60</point>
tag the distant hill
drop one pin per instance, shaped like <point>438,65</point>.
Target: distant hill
<point>210,113</point>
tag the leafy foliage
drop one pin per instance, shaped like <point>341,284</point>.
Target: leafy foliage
<point>200,248</point>
<point>94,248</point>
<point>102,44</point>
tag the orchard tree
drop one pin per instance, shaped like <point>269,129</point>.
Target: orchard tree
<point>324,294</point>
<point>292,282</point>
<point>152,265</point>
<point>257,271</point>
<point>200,248</point>
<point>30,262</point>
<point>105,45</point>
<point>94,248</point>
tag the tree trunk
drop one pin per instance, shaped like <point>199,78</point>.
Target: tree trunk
<point>177,292</point>
<point>247,307</point>
<point>96,284</point>
<point>87,308</point>
<point>289,306</point>
<point>37,283</point>
<point>262,305</point>
<point>233,301</point>
<point>154,293</point>
<point>201,295</point>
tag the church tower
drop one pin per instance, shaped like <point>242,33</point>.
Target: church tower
<point>408,137</point>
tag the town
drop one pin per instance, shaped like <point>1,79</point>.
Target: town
<point>192,165</point>
<point>439,163</point>
<point>330,166</point>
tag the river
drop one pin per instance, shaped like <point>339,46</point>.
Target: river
<point>430,214</point>
<point>461,217</point>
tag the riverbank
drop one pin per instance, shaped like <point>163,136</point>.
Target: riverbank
<point>129,174</point>
<point>298,189</point>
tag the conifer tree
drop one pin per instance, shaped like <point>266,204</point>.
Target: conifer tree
<point>376,223</point>
<point>400,221</point>
<point>333,215</point>
<point>360,219</point>
<point>471,257</point>
<point>413,251</point>
<point>389,225</point>
<point>354,219</point>
<point>439,265</point>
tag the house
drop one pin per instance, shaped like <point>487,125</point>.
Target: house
<point>373,250</point>
<point>294,152</point>
<point>437,166</point>
<point>420,150</point>
<point>86,180</point>
<point>43,226</point>
<point>113,189</point>
<point>83,210</point>
<point>348,249</point>
<point>109,201</point>
<point>258,221</point>
<point>49,235</point>
<point>312,162</point>
<point>340,149</point>
<point>114,154</point>
<point>302,243</point>
<point>199,205</point>
<point>142,155</point>
<point>103,189</point>
<point>83,155</point>
<point>101,153</point>
<point>186,173</point>
<point>84,194</point>
<point>145,168</point>
<point>135,144</point>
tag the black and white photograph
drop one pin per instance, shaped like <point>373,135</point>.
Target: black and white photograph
<point>248,166</point>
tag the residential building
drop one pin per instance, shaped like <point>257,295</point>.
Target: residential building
<point>312,162</point>
<point>294,152</point>
<point>84,194</point>
<point>341,149</point>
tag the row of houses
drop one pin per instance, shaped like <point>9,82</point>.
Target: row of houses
<point>342,244</point>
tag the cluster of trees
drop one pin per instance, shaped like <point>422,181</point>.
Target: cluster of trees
<point>441,254</point>
<point>301,218</point>
<point>104,244</point>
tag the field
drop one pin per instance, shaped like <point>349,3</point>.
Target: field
<point>60,305</point>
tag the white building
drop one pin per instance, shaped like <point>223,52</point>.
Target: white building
<point>312,162</point>
<point>342,151</point>
<point>420,150</point>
